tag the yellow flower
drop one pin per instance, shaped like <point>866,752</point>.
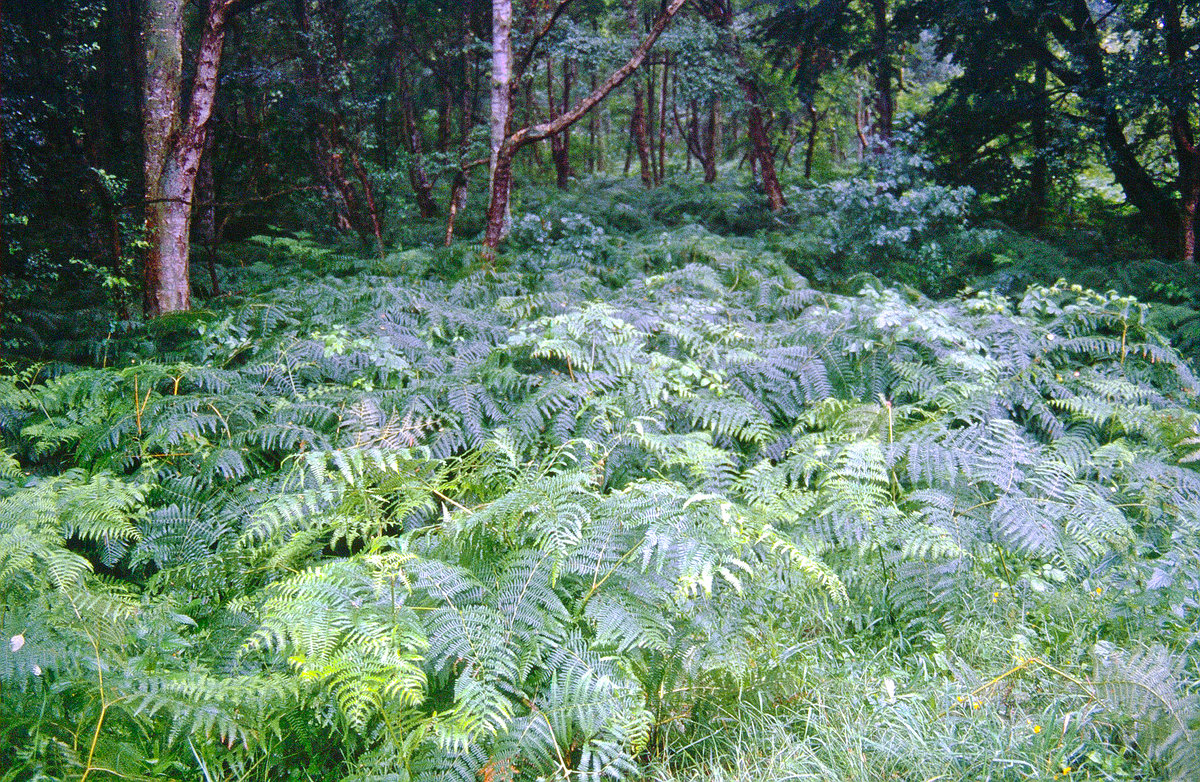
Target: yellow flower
<point>976,705</point>
<point>1099,590</point>
<point>961,699</point>
<point>1037,728</point>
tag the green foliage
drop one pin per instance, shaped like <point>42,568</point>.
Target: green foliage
<point>565,517</point>
<point>894,222</point>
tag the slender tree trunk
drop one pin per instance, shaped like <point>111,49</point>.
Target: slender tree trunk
<point>761,145</point>
<point>1183,138</point>
<point>811,147</point>
<point>172,147</point>
<point>504,147</point>
<point>364,181</point>
<point>413,145</point>
<point>651,119</point>
<point>885,101</point>
<point>501,97</point>
<point>458,200</point>
<point>1039,174</point>
<point>595,153</point>
<point>637,119</point>
<point>560,143</point>
<point>206,228</point>
<point>711,142</point>
<point>662,119</point>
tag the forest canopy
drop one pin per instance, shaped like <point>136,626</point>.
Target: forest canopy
<point>583,389</point>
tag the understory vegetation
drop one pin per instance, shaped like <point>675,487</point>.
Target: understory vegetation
<point>668,489</point>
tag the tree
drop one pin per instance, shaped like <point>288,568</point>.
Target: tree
<point>1130,69</point>
<point>173,141</point>
<point>504,144</point>
<point>803,33</point>
<point>721,13</point>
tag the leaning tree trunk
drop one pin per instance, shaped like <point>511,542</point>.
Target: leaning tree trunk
<point>172,147</point>
<point>761,145</point>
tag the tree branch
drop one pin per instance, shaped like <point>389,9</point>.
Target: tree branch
<point>561,122</point>
<point>537,38</point>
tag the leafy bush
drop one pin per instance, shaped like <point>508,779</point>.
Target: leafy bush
<point>893,222</point>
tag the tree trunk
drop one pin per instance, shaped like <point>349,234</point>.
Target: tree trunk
<point>811,147</point>
<point>885,101</point>
<point>711,142</point>
<point>206,228</point>
<point>501,102</point>
<point>458,199</point>
<point>505,147</point>
<point>364,180</point>
<point>662,119</point>
<point>411,138</point>
<point>651,120</point>
<point>637,119</point>
<point>1187,153</point>
<point>761,146</point>
<point>172,147</point>
<point>595,152</point>
<point>1039,174</point>
<point>560,143</point>
<point>166,284</point>
<point>1085,42</point>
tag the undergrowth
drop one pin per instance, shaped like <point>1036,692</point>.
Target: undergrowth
<point>617,506</point>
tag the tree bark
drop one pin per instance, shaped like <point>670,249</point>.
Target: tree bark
<point>761,145</point>
<point>637,119</point>
<point>174,146</point>
<point>458,199</point>
<point>711,141</point>
<point>560,143</point>
<point>885,101</point>
<point>206,229</point>
<point>501,103</point>
<point>1183,139</point>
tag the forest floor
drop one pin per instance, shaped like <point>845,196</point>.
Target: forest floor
<point>672,488</point>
